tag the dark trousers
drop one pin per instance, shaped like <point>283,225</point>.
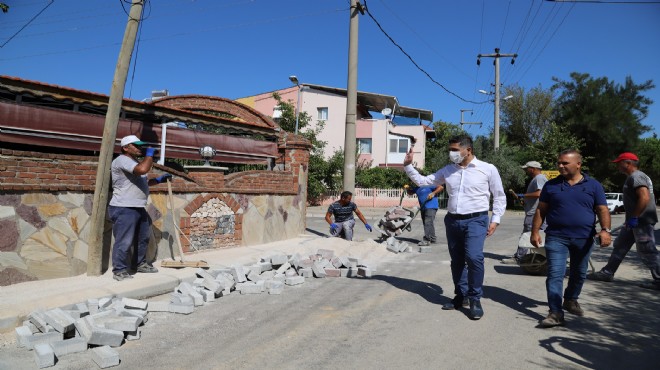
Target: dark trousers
<point>131,226</point>
<point>428,220</point>
<point>466,248</point>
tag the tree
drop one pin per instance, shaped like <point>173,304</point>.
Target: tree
<point>606,114</point>
<point>648,152</point>
<point>527,115</point>
<point>437,149</point>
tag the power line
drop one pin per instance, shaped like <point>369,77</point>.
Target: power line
<point>415,63</point>
<point>26,24</point>
<point>505,20</point>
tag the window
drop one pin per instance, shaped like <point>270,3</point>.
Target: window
<point>322,113</point>
<point>277,112</point>
<point>364,146</point>
<point>398,145</point>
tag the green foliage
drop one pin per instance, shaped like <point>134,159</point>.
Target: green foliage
<point>437,148</point>
<point>606,114</point>
<point>526,116</point>
<point>288,119</point>
<point>648,152</point>
<point>381,177</point>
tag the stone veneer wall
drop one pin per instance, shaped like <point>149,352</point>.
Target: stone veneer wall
<point>46,202</point>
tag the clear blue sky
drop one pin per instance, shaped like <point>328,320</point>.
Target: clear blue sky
<point>236,48</point>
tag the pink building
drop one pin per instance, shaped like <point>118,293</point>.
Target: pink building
<point>380,139</point>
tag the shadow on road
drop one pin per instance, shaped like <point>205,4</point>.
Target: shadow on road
<point>514,301</point>
<point>509,270</point>
<point>429,291</point>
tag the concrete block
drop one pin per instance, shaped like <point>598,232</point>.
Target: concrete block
<point>182,308</point>
<point>393,247</point>
<point>290,272</point>
<point>197,282</point>
<point>324,263</point>
<point>238,272</point>
<point>43,338</point>
<point>343,272</point>
<point>425,249</point>
<point>206,274</point>
<point>38,319</point>
<point>282,269</point>
<point>23,334</point>
<point>332,272</point>
<point>140,314</point>
<point>354,261</point>
<point>226,292</point>
<point>208,295</point>
<point>44,355</point>
<point>279,277</point>
<point>75,314</point>
<point>267,275</point>
<point>134,335</point>
<point>49,329</point>
<point>315,257</point>
<point>250,288</point>
<point>158,306</point>
<point>59,320</point>
<point>105,302</point>
<point>294,260</point>
<point>364,272</point>
<point>306,272</point>
<point>186,288</point>
<point>135,303</point>
<point>213,286</point>
<point>352,272</point>
<point>96,335</point>
<point>305,263</point>
<point>318,270</point>
<point>256,268</point>
<point>294,280</point>
<point>68,346</point>
<point>345,262</point>
<point>122,323</point>
<point>265,266</point>
<point>326,253</point>
<point>278,259</point>
<point>253,275</point>
<point>31,326</point>
<point>226,280</point>
<point>93,305</point>
<point>274,286</point>
<point>336,262</point>
<point>105,356</point>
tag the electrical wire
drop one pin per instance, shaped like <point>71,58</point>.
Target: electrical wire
<point>366,9</point>
<point>505,20</point>
<point>26,24</point>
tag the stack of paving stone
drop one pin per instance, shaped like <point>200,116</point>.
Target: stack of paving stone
<point>99,324</point>
<point>396,219</point>
<point>397,246</point>
<point>103,324</point>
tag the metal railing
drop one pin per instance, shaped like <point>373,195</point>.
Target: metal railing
<point>373,197</point>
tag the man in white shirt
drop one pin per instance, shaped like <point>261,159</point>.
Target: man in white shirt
<point>469,183</point>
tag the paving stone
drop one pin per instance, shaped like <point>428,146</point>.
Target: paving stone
<point>208,295</point>
<point>336,262</point>
<point>122,323</point>
<point>352,272</point>
<point>186,288</point>
<point>182,308</point>
<point>354,261</point>
<point>326,253</point>
<point>159,306</point>
<point>59,320</point>
<point>294,280</point>
<point>134,335</point>
<point>278,259</point>
<point>279,277</point>
<point>343,271</point>
<point>142,315</point>
<point>265,266</point>
<point>82,308</point>
<point>39,320</point>
<point>105,356</point>
<point>96,335</point>
<point>68,346</point>
<point>345,262</point>
<point>267,275</point>
<point>105,302</point>
<point>318,270</point>
<point>227,280</point>
<point>305,263</point>
<point>282,269</point>
<point>253,275</point>
<point>23,334</point>
<point>93,305</point>
<point>30,325</point>
<point>206,274</point>
<point>44,338</point>
<point>324,263</point>
<point>364,272</point>
<point>44,355</point>
<point>425,249</point>
<point>332,272</point>
<point>294,260</point>
<point>274,286</point>
<point>290,272</point>
<point>239,273</point>
<point>250,288</point>
<point>134,303</point>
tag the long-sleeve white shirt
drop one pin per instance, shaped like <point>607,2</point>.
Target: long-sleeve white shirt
<point>469,187</point>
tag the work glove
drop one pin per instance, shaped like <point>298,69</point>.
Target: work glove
<point>149,152</point>
<point>632,222</point>
<point>333,227</point>
<point>163,178</point>
<point>430,196</point>
<point>521,195</point>
<point>368,227</point>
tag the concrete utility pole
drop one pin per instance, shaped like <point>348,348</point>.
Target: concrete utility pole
<point>497,57</point>
<point>351,99</point>
<point>99,206</point>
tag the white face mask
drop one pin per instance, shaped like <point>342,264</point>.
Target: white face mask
<point>456,157</point>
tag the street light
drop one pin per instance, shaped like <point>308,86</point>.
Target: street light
<point>294,80</point>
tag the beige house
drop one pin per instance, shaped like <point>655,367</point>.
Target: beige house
<point>382,135</point>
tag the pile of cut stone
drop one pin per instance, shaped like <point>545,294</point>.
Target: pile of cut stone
<point>396,220</point>
<point>101,324</point>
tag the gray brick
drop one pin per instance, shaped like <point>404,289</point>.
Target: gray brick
<point>44,355</point>
<point>352,272</point>
<point>354,261</point>
<point>318,270</point>
<point>105,302</point>
<point>274,286</point>
<point>122,323</point>
<point>239,273</point>
<point>30,325</point>
<point>295,260</point>
<point>205,274</point>
<point>305,263</point>
<point>105,356</point>
<point>134,303</point>
<point>93,305</point>
<point>343,272</point>
<point>267,275</point>
<point>44,338</point>
<point>278,259</point>
<point>265,266</point>
<point>186,288</point>
<point>250,288</point>
<point>158,306</point>
<point>182,308</point>
<point>364,271</point>
<point>253,275</point>
<point>96,335</point>
<point>227,280</point>
<point>59,320</point>
<point>290,272</point>
<point>282,269</point>
<point>142,315</point>
<point>326,253</point>
<point>279,277</point>
<point>82,308</point>
<point>425,249</point>
<point>39,320</point>
<point>134,335</point>
<point>294,280</point>
<point>65,347</point>
<point>336,262</point>
<point>208,295</point>
<point>23,334</point>
<point>306,272</point>
<point>324,263</point>
<point>345,262</point>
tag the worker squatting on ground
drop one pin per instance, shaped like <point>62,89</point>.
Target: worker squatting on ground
<point>131,222</point>
<point>342,210</point>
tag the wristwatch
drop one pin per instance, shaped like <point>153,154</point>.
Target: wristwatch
<point>609,231</point>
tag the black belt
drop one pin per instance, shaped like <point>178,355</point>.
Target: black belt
<point>466,216</point>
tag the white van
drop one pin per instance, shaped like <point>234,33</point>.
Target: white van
<point>615,202</point>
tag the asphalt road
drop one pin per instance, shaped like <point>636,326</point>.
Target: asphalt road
<point>394,321</point>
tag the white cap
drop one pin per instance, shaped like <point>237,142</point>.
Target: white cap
<point>131,139</point>
<point>533,164</point>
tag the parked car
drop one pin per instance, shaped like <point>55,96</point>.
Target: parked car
<point>615,202</point>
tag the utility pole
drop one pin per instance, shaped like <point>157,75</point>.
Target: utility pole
<point>497,57</point>
<point>351,98</point>
<point>100,202</point>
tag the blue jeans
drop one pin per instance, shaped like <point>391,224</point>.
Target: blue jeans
<point>557,249</point>
<point>130,225</point>
<point>466,248</point>
<point>644,239</point>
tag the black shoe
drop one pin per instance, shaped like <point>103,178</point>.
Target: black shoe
<point>121,275</point>
<point>456,303</point>
<point>476,312</point>
<point>146,268</point>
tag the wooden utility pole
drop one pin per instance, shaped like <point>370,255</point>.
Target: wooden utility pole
<point>351,99</point>
<point>497,57</point>
<point>100,203</point>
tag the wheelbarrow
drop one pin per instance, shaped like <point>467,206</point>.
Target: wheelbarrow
<point>397,219</point>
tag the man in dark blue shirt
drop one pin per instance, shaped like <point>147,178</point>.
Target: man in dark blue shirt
<point>569,204</point>
<point>342,210</point>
